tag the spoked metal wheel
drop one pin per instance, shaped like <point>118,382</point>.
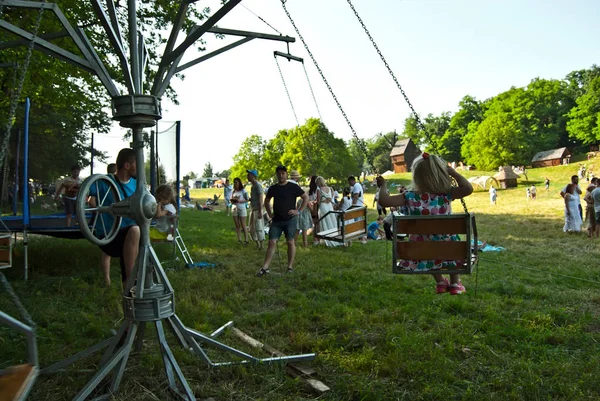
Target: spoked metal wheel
<point>95,220</point>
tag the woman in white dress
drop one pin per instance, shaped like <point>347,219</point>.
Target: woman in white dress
<point>572,217</point>
<point>325,202</point>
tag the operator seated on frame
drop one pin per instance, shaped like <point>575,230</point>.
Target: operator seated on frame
<point>166,213</point>
<point>126,244</point>
<point>431,194</point>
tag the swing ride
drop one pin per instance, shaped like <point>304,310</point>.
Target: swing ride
<point>148,296</point>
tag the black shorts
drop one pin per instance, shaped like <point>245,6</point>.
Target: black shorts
<point>69,205</point>
<point>115,249</point>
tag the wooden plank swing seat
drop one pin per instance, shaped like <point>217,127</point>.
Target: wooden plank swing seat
<point>352,224</point>
<point>462,224</point>
<point>16,381</point>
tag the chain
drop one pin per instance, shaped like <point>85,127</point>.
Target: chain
<point>420,124</point>
<point>19,87</point>
<point>312,92</point>
<point>15,298</point>
<point>361,143</point>
<point>286,91</point>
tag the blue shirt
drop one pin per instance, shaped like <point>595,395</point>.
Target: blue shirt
<point>372,228</point>
<point>100,191</point>
<point>227,191</point>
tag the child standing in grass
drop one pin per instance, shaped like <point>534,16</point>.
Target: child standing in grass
<point>431,194</point>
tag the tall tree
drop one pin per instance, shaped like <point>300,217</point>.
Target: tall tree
<point>469,110</point>
<point>380,147</point>
<point>584,123</point>
<point>249,156</point>
<point>208,170</point>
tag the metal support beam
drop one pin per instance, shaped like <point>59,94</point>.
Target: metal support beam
<point>48,48</point>
<point>168,58</point>
<point>258,35</point>
<point>288,56</point>
<point>115,40</point>
<point>212,54</point>
<point>21,42</point>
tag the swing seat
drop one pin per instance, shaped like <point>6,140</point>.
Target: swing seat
<point>462,251</point>
<point>16,381</point>
<point>6,244</point>
<point>352,224</point>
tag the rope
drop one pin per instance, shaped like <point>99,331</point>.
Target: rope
<point>19,87</point>
<point>361,143</point>
<point>261,18</point>
<point>387,66</point>
<point>312,92</point>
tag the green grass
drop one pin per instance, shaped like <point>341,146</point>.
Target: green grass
<point>531,333</point>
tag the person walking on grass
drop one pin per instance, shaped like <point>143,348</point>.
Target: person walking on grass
<point>283,216</point>
<point>257,223</point>
<point>432,193</point>
<point>493,195</point>
<point>239,198</point>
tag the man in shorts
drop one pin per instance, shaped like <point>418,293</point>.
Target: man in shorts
<point>71,186</point>
<point>125,245</point>
<point>284,217</point>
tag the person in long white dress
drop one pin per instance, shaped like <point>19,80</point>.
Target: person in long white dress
<point>325,202</point>
<point>572,217</point>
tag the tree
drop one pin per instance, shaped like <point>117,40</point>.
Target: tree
<point>313,150</point>
<point>585,116</point>
<point>208,171</point>
<point>191,175</point>
<point>470,110</point>
<point>249,156</point>
<point>68,103</point>
<point>223,174</point>
<point>380,147</point>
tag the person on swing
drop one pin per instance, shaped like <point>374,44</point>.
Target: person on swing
<point>431,194</point>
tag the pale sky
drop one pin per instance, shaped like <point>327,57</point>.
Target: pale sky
<point>440,51</point>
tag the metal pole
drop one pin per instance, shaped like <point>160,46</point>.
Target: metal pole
<point>178,163</point>
<point>133,47</point>
<point>16,183</point>
<point>26,190</point>
<point>92,155</point>
<point>153,160</point>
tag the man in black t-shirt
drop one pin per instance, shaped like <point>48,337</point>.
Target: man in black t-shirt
<point>283,216</point>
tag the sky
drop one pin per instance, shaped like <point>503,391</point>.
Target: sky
<point>439,50</point>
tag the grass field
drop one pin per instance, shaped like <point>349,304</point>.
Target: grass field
<point>531,333</point>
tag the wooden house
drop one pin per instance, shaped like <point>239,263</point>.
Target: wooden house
<point>403,153</point>
<point>507,177</point>
<point>554,157</point>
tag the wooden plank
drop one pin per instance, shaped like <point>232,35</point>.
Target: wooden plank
<point>432,225</point>
<point>15,381</point>
<point>355,214</point>
<point>433,250</point>
<point>293,369</point>
<point>359,226</point>
<point>4,255</point>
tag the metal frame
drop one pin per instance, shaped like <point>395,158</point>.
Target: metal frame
<point>470,234</point>
<point>148,295</point>
<point>340,235</point>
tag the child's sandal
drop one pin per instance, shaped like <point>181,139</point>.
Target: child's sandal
<point>262,272</point>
